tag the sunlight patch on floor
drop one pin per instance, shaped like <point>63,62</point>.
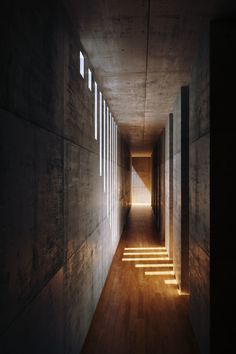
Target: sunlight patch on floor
<point>166,265</point>
<point>143,248</point>
<point>143,254</point>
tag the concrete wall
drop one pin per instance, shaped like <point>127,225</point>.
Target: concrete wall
<point>141,180</point>
<point>199,208</point>
<point>56,244</point>
<point>181,188</point>
<point>191,195</point>
<point>169,185</point>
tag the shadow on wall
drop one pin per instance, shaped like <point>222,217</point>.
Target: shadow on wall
<point>141,180</point>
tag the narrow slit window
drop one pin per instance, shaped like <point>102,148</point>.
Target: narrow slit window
<point>100,136</point>
<point>113,180</point>
<point>95,111</point>
<point>104,145</point>
<point>108,163</point>
<point>116,184</point>
<point>90,79</point>
<point>81,68</point>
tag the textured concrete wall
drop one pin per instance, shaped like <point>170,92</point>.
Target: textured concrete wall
<point>199,208</point>
<point>56,243</point>
<point>169,185</point>
<point>141,180</point>
<point>181,188</point>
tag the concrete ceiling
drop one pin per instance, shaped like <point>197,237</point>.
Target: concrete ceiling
<point>142,52</point>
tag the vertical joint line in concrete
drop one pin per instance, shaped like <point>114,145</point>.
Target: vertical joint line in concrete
<point>146,68</point>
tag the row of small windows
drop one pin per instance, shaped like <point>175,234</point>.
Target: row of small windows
<point>107,147</point>
<point>96,110</point>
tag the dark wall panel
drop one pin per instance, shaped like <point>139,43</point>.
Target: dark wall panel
<point>222,181</point>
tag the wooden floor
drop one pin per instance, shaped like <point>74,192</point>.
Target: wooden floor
<point>140,313</point>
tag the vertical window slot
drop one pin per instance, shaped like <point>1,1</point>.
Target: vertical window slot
<point>90,79</point>
<point>104,145</point>
<point>95,111</point>
<point>100,135</point>
<point>108,146</point>
<point>81,67</point>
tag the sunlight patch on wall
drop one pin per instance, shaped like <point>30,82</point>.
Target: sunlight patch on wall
<point>141,181</point>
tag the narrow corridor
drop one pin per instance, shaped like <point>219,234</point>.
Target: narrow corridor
<point>140,313</point>
<point>117,163</point>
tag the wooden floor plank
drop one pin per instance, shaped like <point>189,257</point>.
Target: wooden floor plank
<point>138,313</point>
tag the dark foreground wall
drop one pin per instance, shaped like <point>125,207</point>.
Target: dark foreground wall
<point>56,243</point>
<point>212,195</point>
<point>222,183</point>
